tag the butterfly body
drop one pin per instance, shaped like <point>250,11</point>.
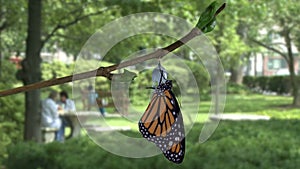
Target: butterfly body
<point>162,123</point>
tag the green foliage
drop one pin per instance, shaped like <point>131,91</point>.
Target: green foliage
<point>233,24</point>
<point>73,22</point>
<point>138,92</point>
<point>12,26</point>
<point>282,14</point>
<point>33,156</point>
<point>263,82</point>
<point>278,84</point>
<point>233,88</point>
<point>201,76</point>
<point>245,144</point>
<point>249,81</point>
<point>11,110</point>
<point>57,69</point>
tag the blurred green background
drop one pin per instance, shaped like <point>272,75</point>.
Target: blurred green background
<point>257,41</point>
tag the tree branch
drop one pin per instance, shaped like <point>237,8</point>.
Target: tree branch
<point>271,48</point>
<point>106,71</point>
<point>66,36</point>
<point>73,22</point>
<point>5,25</point>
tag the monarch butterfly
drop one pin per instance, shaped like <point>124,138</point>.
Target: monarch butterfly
<point>162,123</point>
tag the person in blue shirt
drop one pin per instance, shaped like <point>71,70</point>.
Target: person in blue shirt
<point>67,105</point>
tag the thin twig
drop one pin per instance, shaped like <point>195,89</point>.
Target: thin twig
<point>73,22</point>
<point>106,71</point>
<point>271,48</point>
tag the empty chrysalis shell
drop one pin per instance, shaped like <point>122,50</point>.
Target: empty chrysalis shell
<point>159,75</point>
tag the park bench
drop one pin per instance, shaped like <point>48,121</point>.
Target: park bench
<point>48,134</point>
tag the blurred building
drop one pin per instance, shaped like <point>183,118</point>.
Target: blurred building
<point>46,56</point>
<point>56,55</point>
<point>268,63</point>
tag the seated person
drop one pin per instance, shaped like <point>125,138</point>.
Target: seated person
<point>50,116</point>
<point>66,103</point>
<point>68,106</point>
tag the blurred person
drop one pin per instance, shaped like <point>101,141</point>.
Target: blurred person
<point>50,115</point>
<point>67,105</point>
<point>84,97</point>
<point>101,104</point>
<point>92,97</point>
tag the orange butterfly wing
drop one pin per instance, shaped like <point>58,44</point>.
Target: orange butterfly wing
<point>162,124</point>
<point>158,118</point>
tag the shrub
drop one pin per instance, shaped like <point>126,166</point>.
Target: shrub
<point>244,144</point>
<point>278,84</point>
<point>55,70</point>
<point>11,110</point>
<point>33,156</point>
<point>249,81</point>
<point>237,89</point>
<point>263,82</point>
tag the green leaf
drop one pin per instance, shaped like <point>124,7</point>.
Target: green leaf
<point>207,20</point>
<point>210,26</point>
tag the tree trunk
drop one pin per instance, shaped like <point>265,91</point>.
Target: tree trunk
<point>0,58</point>
<point>294,83</point>
<point>295,88</point>
<point>236,75</point>
<point>31,71</point>
<point>296,97</point>
<point>237,71</point>
<point>290,60</point>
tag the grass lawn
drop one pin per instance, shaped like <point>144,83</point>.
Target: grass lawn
<point>234,145</point>
<point>277,107</point>
<point>274,106</point>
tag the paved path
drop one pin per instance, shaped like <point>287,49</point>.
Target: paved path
<point>111,128</point>
<point>238,117</point>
